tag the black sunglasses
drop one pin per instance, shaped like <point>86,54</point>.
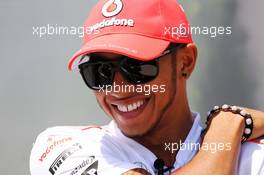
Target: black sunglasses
<point>100,74</point>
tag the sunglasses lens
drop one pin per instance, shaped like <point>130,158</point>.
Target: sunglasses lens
<point>101,74</point>
<point>140,71</point>
<point>105,70</point>
<point>97,75</point>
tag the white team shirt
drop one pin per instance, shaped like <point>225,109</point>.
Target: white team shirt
<point>106,151</point>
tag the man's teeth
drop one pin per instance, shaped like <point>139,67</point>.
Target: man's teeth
<point>130,107</point>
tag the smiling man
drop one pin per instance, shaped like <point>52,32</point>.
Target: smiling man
<point>137,57</point>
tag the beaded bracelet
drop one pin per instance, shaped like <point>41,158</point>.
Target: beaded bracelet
<point>235,110</point>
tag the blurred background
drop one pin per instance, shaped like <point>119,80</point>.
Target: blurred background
<point>37,91</point>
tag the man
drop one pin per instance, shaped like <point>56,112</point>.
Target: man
<point>137,60</point>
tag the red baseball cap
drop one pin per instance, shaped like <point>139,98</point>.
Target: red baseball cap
<point>138,29</point>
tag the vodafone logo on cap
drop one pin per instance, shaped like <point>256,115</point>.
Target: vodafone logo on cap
<point>112,8</point>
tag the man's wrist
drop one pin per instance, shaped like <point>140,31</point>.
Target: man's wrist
<point>238,112</point>
<point>225,127</point>
<point>228,121</point>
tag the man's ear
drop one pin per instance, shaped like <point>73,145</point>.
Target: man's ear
<point>188,56</point>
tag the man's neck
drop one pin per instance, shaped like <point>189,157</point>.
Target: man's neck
<point>173,129</point>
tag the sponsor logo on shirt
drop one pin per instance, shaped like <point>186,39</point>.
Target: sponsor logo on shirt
<point>64,156</point>
<point>90,161</point>
<point>92,169</point>
<point>52,144</point>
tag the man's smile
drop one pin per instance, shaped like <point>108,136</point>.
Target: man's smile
<point>130,107</point>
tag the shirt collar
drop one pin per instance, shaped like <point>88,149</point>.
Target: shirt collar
<point>184,155</point>
<point>191,144</point>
